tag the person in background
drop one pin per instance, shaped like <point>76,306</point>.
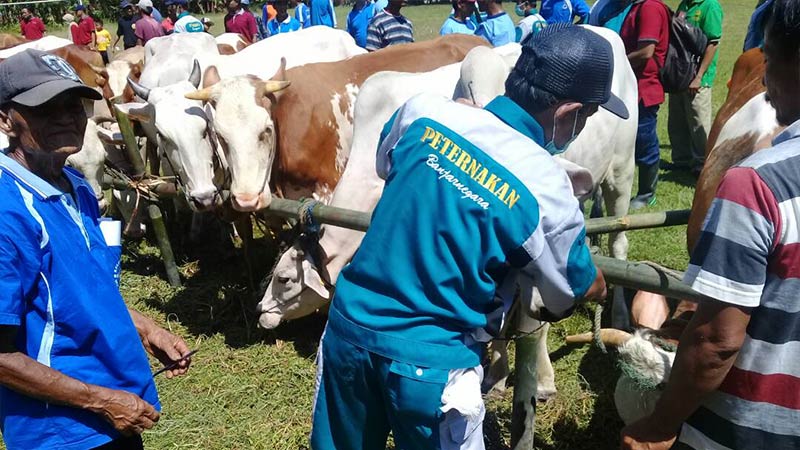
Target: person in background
<point>125,26</point>
<point>532,22</point>
<point>31,27</point>
<point>156,14</point>
<point>497,27</point>
<point>460,21</point>
<point>207,24</point>
<point>302,13</point>
<point>565,11</point>
<point>85,33</point>
<point>610,13</point>
<point>690,112</point>
<point>69,20</point>
<point>403,344</point>
<point>283,22</point>
<point>73,367</point>
<point>322,13</point>
<point>389,27</point>
<point>755,29</point>
<point>103,39</point>
<point>358,20</point>
<point>239,20</point>
<point>167,24</point>
<point>735,382</point>
<point>268,13</point>
<point>645,33</point>
<point>185,22</point>
<point>147,27</point>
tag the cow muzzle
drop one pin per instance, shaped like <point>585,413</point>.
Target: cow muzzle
<point>203,200</point>
<point>250,203</point>
<point>270,314</point>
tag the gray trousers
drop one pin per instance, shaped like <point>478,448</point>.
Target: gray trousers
<point>688,126</point>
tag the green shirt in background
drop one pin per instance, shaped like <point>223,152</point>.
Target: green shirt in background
<point>706,15</point>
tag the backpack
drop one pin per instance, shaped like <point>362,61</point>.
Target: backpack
<point>687,45</point>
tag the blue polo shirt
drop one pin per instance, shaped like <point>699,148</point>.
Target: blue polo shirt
<point>472,201</point>
<point>322,13</point>
<point>498,29</point>
<point>290,24</point>
<point>564,11</point>
<point>57,286</point>
<point>358,21</point>
<point>302,14</point>
<point>452,25</point>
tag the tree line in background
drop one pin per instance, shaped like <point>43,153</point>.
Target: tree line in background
<point>108,10</point>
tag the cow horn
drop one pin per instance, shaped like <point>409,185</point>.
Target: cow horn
<point>194,78</point>
<point>608,336</point>
<point>202,94</point>
<point>271,86</point>
<point>139,90</point>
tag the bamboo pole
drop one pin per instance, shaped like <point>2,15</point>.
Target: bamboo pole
<point>153,211</point>
<point>637,221</point>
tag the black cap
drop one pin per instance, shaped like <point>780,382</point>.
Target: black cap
<point>572,63</point>
<point>33,77</point>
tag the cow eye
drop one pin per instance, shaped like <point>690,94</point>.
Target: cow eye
<point>265,134</point>
<point>283,280</point>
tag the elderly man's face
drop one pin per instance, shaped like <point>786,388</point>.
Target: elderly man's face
<point>56,127</point>
<point>782,79</point>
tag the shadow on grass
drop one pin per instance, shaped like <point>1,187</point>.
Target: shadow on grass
<point>681,177</point>
<point>217,296</point>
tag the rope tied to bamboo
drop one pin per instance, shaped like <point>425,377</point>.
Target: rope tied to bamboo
<point>598,314</point>
<point>306,212</point>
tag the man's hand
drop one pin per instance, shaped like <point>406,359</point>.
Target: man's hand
<point>129,414</point>
<point>168,349</point>
<point>642,435</point>
<point>162,344</point>
<point>597,291</point>
<point>694,86</point>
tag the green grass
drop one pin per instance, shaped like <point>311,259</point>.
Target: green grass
<point>250,389</point>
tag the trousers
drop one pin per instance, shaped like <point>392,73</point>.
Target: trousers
<point>688,126</point>
<point>362,396</point>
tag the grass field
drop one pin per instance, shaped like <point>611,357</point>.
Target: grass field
<point>251,389</point>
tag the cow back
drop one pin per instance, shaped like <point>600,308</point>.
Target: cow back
<point>308,116</point>
<point>81,59</point>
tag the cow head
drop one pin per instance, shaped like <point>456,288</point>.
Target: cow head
<point>182,129</point>
<point>245,128</point>
<point>100,135</point>
<point>295,290</point>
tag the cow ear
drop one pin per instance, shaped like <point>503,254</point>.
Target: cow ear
<point>312,279</point>
<point>143,112</point>
<point>211,77</point>
<point>280,74</point>
<point>136,71</point>
<point>109,137</point>
<point>580,177</point>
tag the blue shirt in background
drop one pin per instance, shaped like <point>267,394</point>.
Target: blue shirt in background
<point>290,24</point>
<point>498,29</point>
<point>380,5</point>
<point>452,25</point>
<point>57,286</point>
<point>557,11</point>
<point>157,15</point>
<point>303,14</point>
<point>322,13</point>
<point>358,21</point>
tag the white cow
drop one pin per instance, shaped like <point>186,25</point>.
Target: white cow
<point>288,297</point>
<point>44,44</point>
<point>124,64</point>
<point>170,59</point>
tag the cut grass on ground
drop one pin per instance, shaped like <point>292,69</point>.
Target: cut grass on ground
<point>250,389</point>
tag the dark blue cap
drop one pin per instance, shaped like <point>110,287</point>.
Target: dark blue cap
<point>79,8</point>
<point>572,63</point>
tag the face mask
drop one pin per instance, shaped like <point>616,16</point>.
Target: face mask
<point>551,146</point>
<point>519,11</point>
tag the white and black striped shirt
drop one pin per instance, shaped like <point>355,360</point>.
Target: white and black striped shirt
<point>385,30</point>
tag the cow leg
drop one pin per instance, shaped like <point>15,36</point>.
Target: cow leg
<point>545,375</point>
<point>497,372</point>
<point>617,200</point>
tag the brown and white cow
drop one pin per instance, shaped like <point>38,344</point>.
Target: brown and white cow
<point>295,131</point>
<point>8,40</point>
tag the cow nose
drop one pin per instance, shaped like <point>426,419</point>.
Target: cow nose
<point>245,202</point>
<point>203,199</point>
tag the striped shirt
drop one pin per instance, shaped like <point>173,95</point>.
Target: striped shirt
<point>385,30</point>
<point>749,255</point>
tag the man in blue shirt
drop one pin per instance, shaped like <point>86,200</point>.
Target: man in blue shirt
<point>73,369</point>
<point>283,22</point>
<point>565,11</point>
<point>497,27</point>
<point>473,203</point>
<point>322,13</point>
<point>358,21</point>
<point>459,21</point>
<point>303,14</point>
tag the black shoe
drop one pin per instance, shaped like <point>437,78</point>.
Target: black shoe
<point>674,166</point>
